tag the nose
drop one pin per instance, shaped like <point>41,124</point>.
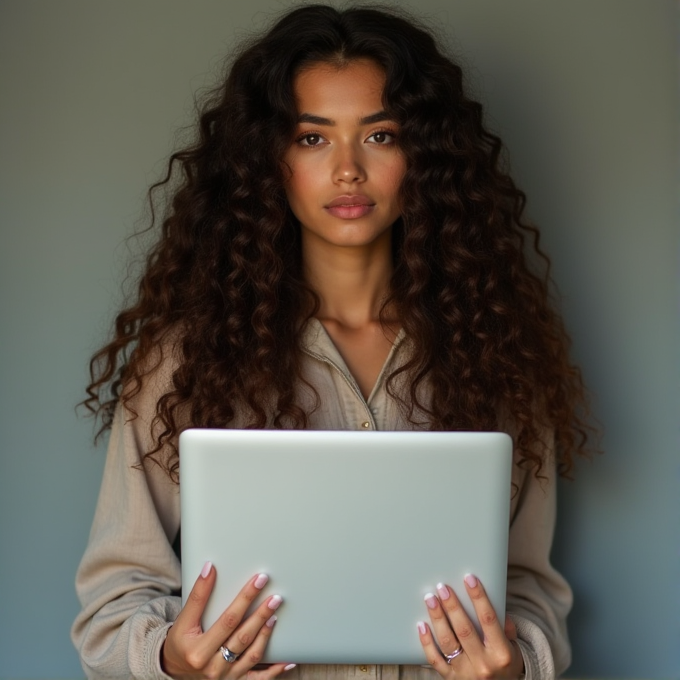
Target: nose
<point>348,165</point>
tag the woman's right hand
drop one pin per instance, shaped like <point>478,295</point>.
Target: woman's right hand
<point>188,652</point>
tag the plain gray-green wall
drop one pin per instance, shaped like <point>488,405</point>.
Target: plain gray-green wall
<point>584,92</point>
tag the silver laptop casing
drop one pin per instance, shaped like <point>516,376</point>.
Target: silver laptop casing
<point>353,529</point>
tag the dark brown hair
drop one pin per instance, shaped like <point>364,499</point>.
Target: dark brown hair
<point>223,283</point>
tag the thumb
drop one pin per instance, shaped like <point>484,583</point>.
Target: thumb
<point>510,629</point>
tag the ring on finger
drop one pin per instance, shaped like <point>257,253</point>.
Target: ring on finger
<point>228,655</point>
<point>456,652</point>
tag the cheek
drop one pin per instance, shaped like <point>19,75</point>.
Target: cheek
<point>393,175</point>
<point>300,185</point>
<point>295,191</point>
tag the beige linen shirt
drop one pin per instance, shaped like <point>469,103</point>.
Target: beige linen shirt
<point>129,578</point>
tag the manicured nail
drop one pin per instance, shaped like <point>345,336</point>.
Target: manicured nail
<point>470,580</point>
<point>271,621</point>
<point>275,602</point>
<point>431,601</point>
<point>421,627</point>
<point>260,581</point>
<point>443,591</point>
<point>206,569</point>
<point>289,667</point>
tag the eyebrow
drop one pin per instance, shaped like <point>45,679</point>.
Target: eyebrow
<point>366,120</point>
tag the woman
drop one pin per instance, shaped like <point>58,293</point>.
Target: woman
<point>342,250</point>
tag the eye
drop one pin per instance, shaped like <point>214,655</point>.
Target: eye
<point>382,137</point>
<point>310,139</point>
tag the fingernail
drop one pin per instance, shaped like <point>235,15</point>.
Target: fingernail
<point>275,602</point>
<point>443,591</point>
<point>289,667</point>
<point>260,581</point>
<point>271,621</point>
<point>421,628</point>
<point>206,569</point>
<point>431,601</point>
<point>470,580</point>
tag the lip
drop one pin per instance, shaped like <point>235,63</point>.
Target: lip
<point>347,201</point>
<point>350,207</point>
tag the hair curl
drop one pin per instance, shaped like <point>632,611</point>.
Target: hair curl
<point>224,278</point>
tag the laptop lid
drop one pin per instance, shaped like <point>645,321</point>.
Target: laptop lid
<point>353,529</point>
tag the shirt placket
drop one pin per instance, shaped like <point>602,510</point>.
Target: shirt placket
<point>367,420</point>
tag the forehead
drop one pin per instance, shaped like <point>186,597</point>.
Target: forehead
<point>325,88</point>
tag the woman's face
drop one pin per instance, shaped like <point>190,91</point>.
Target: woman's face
<point>345,165</point>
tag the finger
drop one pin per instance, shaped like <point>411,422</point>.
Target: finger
<point>190,615</point>
<point>230,619</point>
<point>242,638</point>
<point>463,628</point>
<point>510,629</point>
<point>432,654</point>
<point>270,672</point>
<point>446,638</point>
<point>220,667</point>
<point>486,614</point>
<point>181,651</point>
<point>253,654</point>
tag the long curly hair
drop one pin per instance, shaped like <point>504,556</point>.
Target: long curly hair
<point>223,284</point>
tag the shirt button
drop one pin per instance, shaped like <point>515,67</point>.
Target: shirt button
<point>365,424</point>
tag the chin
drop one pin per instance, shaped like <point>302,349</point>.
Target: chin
<point>352,235</point>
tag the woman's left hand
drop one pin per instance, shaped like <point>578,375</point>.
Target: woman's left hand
<point>463,654</point>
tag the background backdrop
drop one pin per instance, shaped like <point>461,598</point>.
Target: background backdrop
<point>585,94</point>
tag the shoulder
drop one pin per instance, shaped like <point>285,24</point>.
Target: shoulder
<point>152,375</point>
<point>147,400</point>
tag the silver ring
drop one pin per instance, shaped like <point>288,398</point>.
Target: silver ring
<point>454,654</point>
<point>228,655</point>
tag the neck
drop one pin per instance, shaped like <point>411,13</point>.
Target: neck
<point>351,282</point>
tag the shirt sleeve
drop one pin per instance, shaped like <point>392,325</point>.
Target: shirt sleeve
<point>538,597</point>
<point>129,579</point>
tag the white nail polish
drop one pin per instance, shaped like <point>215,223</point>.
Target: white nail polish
<point>261,581</point>
<point>443,591</point>
<point>271,621</point>
<point>290,666</point>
